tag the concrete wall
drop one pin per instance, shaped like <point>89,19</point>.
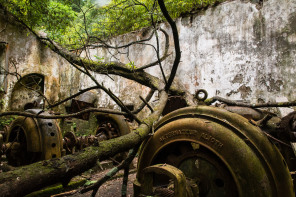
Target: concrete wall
<point>24,55</point>
<point>237,50</point>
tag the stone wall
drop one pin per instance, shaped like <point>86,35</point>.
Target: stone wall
<point>237,50</point>
<point>25,56</point>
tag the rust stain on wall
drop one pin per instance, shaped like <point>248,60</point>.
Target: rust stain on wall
<point>244,91</point>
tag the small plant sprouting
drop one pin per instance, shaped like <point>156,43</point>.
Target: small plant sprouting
<point>131,65</point>
<point>99,59</point>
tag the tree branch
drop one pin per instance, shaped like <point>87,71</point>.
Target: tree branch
<point>73,96</point>
<point>147,99</point>
<point>95,187</point>
<point>176,42</point>
<point>259,105</point>
<point>55,170</point>
<point>165,55</point>
<point>27,114</point>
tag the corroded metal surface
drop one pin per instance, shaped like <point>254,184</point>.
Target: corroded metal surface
<point>223,150</point>
<point>111,124</point>
<point>287,134</point>
<point>83,101</point>
<point>288,126</point>
<point>77,106</point>
<point>201,95</point>
<point>33,139</point>
<point>172,172</point>
<point>69,142</point>
<point>246,112</point>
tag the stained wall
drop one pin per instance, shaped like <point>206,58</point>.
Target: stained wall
<point>238,50</point>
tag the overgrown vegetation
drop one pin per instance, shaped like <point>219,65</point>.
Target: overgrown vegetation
<point>6,120</point>
<point>50,15</point>
<point>71,23</point>
<point>132,15</point>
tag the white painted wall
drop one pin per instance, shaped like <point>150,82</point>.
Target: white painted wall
<point>236,50</point>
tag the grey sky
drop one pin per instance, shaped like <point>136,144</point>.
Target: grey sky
<point>102,2</point>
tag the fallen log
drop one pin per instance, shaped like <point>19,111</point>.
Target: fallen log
<point>26,179</point>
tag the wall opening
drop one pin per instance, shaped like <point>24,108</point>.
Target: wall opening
<point>26,93</point>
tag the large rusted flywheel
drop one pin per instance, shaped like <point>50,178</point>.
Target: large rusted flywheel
<point>29,140</point>
<point>219,151</point>
<point>111,125</point>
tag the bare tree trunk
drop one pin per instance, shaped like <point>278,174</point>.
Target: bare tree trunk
<point>27,179</point>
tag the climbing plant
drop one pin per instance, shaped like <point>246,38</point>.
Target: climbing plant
<point>122,16</point>
<point>80,22</point>
<point>126,16</point>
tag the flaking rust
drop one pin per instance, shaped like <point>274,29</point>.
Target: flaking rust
<point>213,148</point>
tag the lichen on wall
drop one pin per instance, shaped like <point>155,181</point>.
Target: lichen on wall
<point>237,50</point>
<point>241,50</point>
<point>26,56</point>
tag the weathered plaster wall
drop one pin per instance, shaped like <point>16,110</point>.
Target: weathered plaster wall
<point>237,50</point>
<point>25,55</point>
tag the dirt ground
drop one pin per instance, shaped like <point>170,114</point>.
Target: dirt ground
<point>111,188</point>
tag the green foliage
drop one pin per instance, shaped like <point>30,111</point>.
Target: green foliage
<point>89,182</point>
<point>6,120</point>
<point>26,10</point>
<point>120,17</point>
<point>52,16</point>
<point>73,127</point>
<point>73,23</point>
<point>58,188</point>
<point>125,16</point>
<point>131,65</point>
<point>2,102</point>
<point>99,59</point>
<point>59,17</point>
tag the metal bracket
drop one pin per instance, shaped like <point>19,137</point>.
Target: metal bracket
<point>168,170</point>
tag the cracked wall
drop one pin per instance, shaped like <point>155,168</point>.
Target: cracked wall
<point>238,50</point>
<point>24,56</point>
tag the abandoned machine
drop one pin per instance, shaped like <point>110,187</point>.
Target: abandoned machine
<point>230,149</point>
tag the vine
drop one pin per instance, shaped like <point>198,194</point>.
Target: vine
<point>82,22</point>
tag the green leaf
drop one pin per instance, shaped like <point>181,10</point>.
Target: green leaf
<point>89,182</point>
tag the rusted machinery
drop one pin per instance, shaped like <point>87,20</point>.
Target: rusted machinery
<point>210,151</point>
<point>109,126</point>
<point>28,140</point>
<point>199,151</point>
